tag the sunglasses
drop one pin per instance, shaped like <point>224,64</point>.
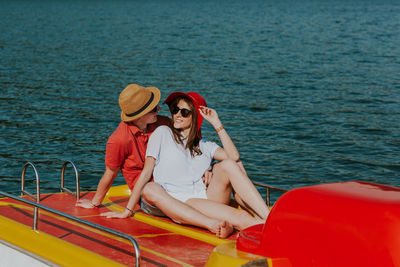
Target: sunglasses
<point>154,110</point>
<point>184,111</point>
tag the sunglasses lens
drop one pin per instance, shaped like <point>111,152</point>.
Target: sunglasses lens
<point>154,109</point>
<point>174,110</point>
<point>185,112</point>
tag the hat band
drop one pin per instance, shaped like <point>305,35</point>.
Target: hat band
<point>143,108</point>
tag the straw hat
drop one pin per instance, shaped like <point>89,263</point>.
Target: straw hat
<point>197,101</point>
<point>135,101</point>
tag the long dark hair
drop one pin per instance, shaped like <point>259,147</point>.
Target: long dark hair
<point>192,140</point>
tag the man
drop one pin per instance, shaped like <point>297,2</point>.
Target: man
<point>126,147</point>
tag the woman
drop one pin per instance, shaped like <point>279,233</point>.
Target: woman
<point>177,156</point>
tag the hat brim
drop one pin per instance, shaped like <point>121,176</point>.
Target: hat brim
<point>156,99</point>
<point>171,97</point>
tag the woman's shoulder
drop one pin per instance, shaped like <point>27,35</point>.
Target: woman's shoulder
<point>208,147</point>
<point>205,141</point>
<point>161,130</point>
<point>162,134</point>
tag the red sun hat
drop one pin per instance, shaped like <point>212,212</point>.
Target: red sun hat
<point>197,101</point>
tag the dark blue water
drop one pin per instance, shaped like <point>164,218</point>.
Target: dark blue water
<point>309,90</point>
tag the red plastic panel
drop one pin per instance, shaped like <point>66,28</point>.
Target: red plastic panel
<point>339,224</point>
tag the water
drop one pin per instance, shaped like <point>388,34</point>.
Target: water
<point>308,90</point>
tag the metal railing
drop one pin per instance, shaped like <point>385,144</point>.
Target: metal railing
<point>24,192</point>
<point>268,188</point>
<point>62,188</point>
<point>73,218</point>
<point>38,206</point>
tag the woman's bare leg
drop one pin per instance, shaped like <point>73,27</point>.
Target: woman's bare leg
<point>240,219</point>
<point>178,211</point>
<point>228,175</point>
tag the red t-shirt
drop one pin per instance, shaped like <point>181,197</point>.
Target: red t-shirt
<point>126,148</point>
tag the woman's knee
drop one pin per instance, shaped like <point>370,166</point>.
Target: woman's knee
<point>151,192</point>
<point>228,165</point>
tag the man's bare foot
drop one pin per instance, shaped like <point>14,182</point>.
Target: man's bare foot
<point>224,230</point>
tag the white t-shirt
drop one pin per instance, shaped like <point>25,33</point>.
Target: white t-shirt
<point>176,170</point>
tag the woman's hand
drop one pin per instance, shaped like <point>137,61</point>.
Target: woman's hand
<point>211,116</point>
<point>207,177</point>
<point>116,214</point>
<point>229,149</point>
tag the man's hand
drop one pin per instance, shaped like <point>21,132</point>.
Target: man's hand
<point>207,177</point>
<point>102,188</point>
<point>85,203</point>
<point>116,214</point>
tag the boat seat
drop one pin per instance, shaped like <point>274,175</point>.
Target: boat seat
<point>337,224</point>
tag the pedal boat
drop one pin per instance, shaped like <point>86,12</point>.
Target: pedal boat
<point>337,224</point>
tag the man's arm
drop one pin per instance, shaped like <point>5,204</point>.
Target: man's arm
<point>102,188</point>
<point>143,179</point>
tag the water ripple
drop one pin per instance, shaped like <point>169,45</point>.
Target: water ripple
<point>309,91</point>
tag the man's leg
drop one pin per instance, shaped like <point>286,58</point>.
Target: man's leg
<point>178,211</point>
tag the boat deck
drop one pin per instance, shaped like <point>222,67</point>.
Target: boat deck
<point>162,242</point>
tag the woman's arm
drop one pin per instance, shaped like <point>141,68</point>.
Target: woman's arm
<point>144,177</point>
<point>229,149</point>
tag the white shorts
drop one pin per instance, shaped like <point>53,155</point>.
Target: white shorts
<point>184,196</point>
<point>185,192</point>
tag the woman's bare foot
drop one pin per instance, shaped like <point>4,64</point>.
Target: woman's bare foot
<point>224,230</point>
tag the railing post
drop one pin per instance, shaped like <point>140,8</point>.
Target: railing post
<point>23,191</point>
<point>268,189</point>
<point>63,189</point>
